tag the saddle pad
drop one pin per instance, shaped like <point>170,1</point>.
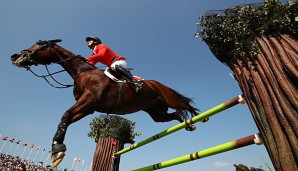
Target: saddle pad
<point>112,77</point>
<point>138,78</point>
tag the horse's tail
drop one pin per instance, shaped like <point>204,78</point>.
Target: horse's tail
<point>189,113</point>
<point>175,100</point>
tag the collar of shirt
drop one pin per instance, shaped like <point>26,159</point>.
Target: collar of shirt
<point>93,51</point>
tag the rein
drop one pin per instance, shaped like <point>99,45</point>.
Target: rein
<point>51,76</point>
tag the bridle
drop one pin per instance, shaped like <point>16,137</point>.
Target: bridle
<point>28,58</point>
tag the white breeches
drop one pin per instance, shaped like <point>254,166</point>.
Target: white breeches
<point>121,63</point>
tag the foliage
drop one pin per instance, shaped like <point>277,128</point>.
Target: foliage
<point>231,31</point>
<point>112,126</point>
<point>241,167</point>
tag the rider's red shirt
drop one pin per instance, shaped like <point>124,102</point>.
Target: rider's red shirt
<point>103,54</point>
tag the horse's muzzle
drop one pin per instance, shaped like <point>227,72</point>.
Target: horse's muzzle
<point>15,56</point>
<point>20,60</point>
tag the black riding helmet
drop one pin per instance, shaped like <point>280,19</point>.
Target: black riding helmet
<point>94,38</point>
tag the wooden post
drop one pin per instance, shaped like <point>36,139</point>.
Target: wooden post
<point>110,133</point>
<point>259,43</point>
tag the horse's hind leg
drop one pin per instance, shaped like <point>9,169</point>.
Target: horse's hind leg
<point>175,100</point>
<point>159,113</point>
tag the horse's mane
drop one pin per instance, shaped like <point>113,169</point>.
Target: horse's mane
<point>65,51</point>
<point>84,65</point>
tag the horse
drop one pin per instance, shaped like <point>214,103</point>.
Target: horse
<point>94,91</point>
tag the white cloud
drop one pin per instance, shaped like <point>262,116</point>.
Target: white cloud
<point>221,164</point>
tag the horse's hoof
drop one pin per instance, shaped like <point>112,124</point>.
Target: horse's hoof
<point>205,120</point>
<point>58,153</point>
<point>57,158</point>
<point>190,128</point>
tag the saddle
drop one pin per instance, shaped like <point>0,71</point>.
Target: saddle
<point>117,77</point>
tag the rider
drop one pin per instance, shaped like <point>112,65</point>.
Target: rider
<point>103,54</point>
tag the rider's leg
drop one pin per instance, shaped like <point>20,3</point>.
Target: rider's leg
<point>121,67</point>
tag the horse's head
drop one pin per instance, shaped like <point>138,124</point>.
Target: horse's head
<point>39,53</point>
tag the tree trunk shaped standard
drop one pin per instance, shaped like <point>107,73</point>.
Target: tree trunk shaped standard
<point>259,43</point>
<point>103,159</point>
<point>110,134</point>
<point>269,82</point>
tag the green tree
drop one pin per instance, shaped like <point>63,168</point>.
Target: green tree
<point>110,134</point>
<point>258,42</point>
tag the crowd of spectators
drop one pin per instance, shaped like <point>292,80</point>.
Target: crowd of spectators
<point>15,163</point>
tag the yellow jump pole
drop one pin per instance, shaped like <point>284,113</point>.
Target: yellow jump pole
<point>200,117</point>
<point>232,145</point>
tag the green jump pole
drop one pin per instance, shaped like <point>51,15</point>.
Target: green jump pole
<point>200,117</point>
<point>232,145</point>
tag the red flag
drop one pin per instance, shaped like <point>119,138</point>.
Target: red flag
<point>5,138</point>
<point>18,142</point>
<point>11,140</point>
<point>25,144</point>
<point>77,159</point>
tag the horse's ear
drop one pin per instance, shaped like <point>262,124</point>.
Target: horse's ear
<point>55,41</point>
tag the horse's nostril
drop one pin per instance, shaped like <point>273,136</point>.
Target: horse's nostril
<point>14,56</point>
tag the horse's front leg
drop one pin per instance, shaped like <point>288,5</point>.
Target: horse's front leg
<point>58,148</point>
<point>80,109</point>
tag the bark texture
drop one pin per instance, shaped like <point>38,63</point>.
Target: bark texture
<point>269,82</point>
<point>103,159</point>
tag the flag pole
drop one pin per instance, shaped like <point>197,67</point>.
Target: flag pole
<point>42,154</point>
<point>86,168</point>
<point>16,149</point>
<point>9,148</point>
<point>37,151</point>
<point>24,149</point>
<point>73,163</point>
<point>29,154</point>
<point>3,146</point>
<point>82,164</point>
<point>77,165</point>
<point>48,157</point>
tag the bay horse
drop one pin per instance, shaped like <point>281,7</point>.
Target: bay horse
<point>93,91</point>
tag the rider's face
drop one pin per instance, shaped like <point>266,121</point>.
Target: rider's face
<point>90,44</point>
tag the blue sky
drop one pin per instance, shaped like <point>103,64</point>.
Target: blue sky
<point>157,37</point>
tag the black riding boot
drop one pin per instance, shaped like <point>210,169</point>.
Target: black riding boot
<point>128,76</point>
